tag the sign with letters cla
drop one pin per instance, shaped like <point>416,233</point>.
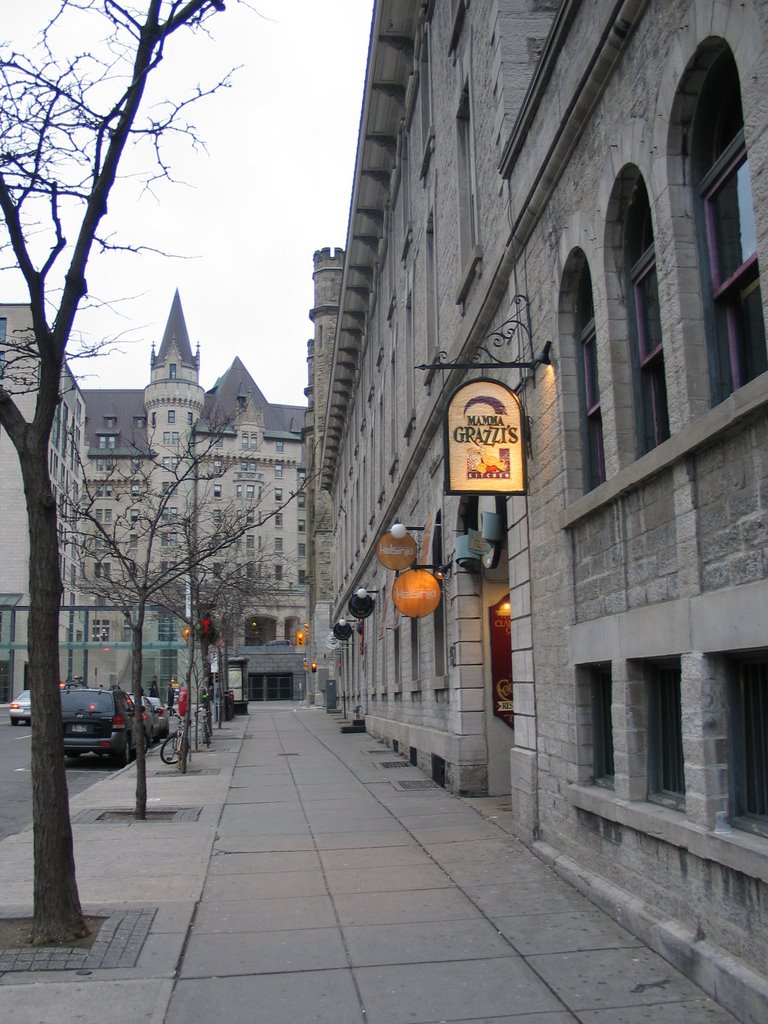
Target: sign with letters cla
<point>484,440</point>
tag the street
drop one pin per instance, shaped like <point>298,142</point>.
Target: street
<point>15,778</point>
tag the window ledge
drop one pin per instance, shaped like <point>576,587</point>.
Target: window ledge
<point>701,433</point>
<point>469,274</point>
<point>736,850</point>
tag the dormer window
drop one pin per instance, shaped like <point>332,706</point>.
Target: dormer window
<point>172,371</point>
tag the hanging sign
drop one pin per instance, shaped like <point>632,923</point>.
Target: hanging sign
<point>499,624</point>
<point>484,440</point>
<point>416,593</point>
<point>396,552</point>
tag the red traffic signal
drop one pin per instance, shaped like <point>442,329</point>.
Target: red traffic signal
<point>207,630</point>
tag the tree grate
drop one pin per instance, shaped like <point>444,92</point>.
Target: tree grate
<point>124,815</point>
<point>392,764</point>
<point>415,784</point>
<point>117,945</point>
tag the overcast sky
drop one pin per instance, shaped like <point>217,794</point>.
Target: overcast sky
<point>274,186</point>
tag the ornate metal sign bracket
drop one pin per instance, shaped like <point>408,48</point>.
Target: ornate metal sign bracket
<point>516,329</point>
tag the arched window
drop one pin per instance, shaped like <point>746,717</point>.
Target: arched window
<point>651,415</point>
<point>727,233</point>
<point>589,385</point>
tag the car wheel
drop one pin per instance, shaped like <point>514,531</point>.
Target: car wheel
<point>74,754</point>
<point>14,721</point>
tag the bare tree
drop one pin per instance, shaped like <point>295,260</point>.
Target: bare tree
<point>66,123</point>
<point>165,533</point>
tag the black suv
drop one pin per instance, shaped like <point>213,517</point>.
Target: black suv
<point>97,722</point>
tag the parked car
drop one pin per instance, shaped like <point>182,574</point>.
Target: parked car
<point>20,709</point>
<point>152,727</point>
<point>162,715</point>
<point>97,722</point>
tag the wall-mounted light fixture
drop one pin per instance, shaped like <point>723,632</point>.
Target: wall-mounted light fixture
<point>440,572</point>
<point>360,605</point>
<point>342,630</point>
<point>399,531</point>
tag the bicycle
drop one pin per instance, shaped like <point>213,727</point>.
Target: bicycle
<point>207,726</point>
<point>170,751</point>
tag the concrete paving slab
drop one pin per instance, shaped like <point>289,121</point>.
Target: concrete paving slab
<point>242,820</point>
<point>473,850</point>
<point>525,1018</point>
<point>446,833</point>
<point>386,879</point>
<point>350,825</point>
<point>266,952</point>
<point>264,885</point>
<point>698,1011</point>
<point>377,856</point>
<point>141,1001</point>
<point>489,871</point>
<point>614,978</point>
<point>246,794</point>
<point>424,942</point>
<point>363,840</point>
<point>528,897</point>
<point>562,933</point>
<point>323,997</point>
<point>420,993</point>
<point>251,915</point>
<point>290,860</point>
<point>160,954</point>
<point>404,907</point>
<point>246,844</point>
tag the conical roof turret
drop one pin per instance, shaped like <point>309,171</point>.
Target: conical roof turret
<point>176,332</point>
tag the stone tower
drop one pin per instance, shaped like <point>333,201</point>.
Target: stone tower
<point>174,397</point>
<point>327,275</point>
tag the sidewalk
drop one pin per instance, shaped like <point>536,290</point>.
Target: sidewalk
<point>301,875</point>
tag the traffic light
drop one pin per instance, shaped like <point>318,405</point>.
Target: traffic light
<point>306,664</point>
<point>300,638</point>
<point>185,632</point>
<point>207,629</point>
<point>314,666</point>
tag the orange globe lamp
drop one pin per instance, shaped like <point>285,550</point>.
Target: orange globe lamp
<point>416,593</point>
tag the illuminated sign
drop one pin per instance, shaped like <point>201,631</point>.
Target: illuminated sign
<point>416,593</point>
<point>499,624</point>
<point>484,440</point>
<point>396,552</point>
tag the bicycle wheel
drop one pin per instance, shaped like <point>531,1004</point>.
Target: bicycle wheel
<point>169,752</point>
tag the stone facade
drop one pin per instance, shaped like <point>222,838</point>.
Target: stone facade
<point>66,449</point>
<point>591,176</point>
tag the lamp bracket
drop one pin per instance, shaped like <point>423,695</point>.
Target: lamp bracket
<point>516,329</point>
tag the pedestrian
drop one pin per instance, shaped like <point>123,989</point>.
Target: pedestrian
<point>153,690</point>
<point>169,700</point>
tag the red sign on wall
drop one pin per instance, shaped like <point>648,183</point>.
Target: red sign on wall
<point>500,622</point>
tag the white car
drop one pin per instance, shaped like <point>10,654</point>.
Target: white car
<point>20,709</point>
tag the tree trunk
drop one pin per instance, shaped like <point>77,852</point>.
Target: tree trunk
<point>57,914</point>
<point>139,737</point>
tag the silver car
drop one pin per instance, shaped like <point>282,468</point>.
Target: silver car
<point>20,709</point>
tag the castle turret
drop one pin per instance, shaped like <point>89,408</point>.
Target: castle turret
<point>174,394</point>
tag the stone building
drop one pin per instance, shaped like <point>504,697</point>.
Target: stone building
<point>580,189</point>
<point>114,452</point>
<point>65,464</point>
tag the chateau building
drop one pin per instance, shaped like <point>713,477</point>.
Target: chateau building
<point>114,453</point>
<point>578,190</point>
